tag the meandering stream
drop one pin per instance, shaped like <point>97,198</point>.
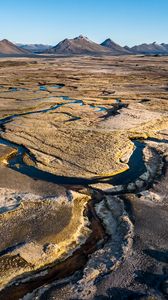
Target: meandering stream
<point>136,163</point>
<point>136,168</point>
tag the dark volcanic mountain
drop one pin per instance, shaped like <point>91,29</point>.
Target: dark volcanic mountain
<point>114,48</point>
<point>78,45</point>
<point>6,47</point>
<point>153,48</point>
<point>34,48</point>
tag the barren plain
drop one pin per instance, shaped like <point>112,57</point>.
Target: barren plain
<point>83,177</point>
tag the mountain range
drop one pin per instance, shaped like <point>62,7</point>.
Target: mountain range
<point>82,46</point>
<point>153,48</point>
<point>34,48</point>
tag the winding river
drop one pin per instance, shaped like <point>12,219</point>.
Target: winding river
<point>136,168</point>
<point>136,163</point>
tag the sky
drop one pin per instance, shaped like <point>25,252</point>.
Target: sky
<point>127,22</point>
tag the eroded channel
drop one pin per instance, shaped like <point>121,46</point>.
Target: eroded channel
<point>80,256</point>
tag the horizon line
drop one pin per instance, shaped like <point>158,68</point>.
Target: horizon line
<point>54,44</point>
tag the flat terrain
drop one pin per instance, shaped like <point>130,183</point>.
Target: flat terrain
<point>83,177</point>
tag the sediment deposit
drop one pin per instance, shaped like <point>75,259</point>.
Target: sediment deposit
<point>83,162</point>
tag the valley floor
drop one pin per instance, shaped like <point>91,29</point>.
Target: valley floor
<point>83,177</point>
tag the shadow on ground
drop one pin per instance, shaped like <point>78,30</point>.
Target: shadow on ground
<point>120,294</point>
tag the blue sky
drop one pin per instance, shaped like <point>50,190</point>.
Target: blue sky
<point>49,21</point>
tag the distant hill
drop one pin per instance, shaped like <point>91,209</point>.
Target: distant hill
<point>152,48</point>
<point>115,48</point>
<point>34,48</point>
<point>78,45</point>
<point>165,46</point>
<point>6,47</point>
